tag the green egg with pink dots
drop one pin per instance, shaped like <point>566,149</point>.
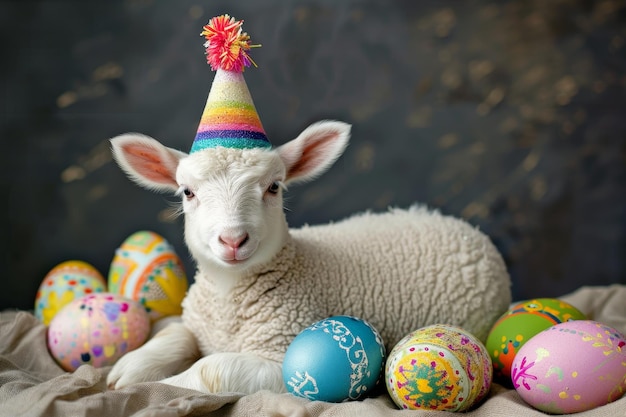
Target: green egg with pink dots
<point>519,324</point>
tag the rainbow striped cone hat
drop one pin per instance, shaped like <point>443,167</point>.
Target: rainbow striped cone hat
<point>229,119</point>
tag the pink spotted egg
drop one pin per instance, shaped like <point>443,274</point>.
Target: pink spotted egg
<point>97,329</point>
<point>571,367</point>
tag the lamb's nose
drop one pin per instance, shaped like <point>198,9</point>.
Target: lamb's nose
<point>234,242</point>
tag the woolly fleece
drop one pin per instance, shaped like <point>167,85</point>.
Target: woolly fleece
<point>399,270</point>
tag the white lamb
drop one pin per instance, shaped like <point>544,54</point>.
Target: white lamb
<point>260,283</point>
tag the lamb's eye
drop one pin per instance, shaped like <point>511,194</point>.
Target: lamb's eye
<point>274,188</point>
<point>188,193</point>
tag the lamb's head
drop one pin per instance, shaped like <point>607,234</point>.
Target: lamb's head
<point>232,198</point>
<point>232,205</point>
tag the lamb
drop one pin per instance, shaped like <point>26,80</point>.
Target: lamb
<point>259,283</point>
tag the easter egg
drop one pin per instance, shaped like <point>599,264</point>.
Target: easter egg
<point>337,359</point>
<point>64,283</point>
<point>438,367</point>
<point>571,367</point>
<point>97,329</point>
<point>521,322</point>
<point>147,269</point>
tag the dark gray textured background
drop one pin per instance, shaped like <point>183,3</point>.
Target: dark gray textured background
<point>511,114</point>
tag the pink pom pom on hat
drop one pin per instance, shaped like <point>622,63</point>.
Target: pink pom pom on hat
<point>229,118</point>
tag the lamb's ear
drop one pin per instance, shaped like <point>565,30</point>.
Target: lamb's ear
<point>146,161</point>
<point>314,150</point>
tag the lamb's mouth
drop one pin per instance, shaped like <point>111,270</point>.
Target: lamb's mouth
<point>236,258</point>
<point>235,254</point>
<point>235,261</point>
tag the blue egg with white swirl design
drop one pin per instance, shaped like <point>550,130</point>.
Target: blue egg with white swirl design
<point>337,359</point>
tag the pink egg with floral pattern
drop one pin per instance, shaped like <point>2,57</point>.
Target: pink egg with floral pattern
<point>97,330</point>
<point>571,367</point>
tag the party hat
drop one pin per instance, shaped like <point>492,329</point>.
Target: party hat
<point>229,118</point>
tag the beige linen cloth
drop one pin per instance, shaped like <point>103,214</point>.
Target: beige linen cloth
<point>32,385</point>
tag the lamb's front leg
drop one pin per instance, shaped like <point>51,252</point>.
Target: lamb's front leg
<point>170,351</point>
<point>231,372</point>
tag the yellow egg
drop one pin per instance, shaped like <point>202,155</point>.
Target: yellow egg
<point>438,367</point>
<point>64,283</point>
<point>147,269</point>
